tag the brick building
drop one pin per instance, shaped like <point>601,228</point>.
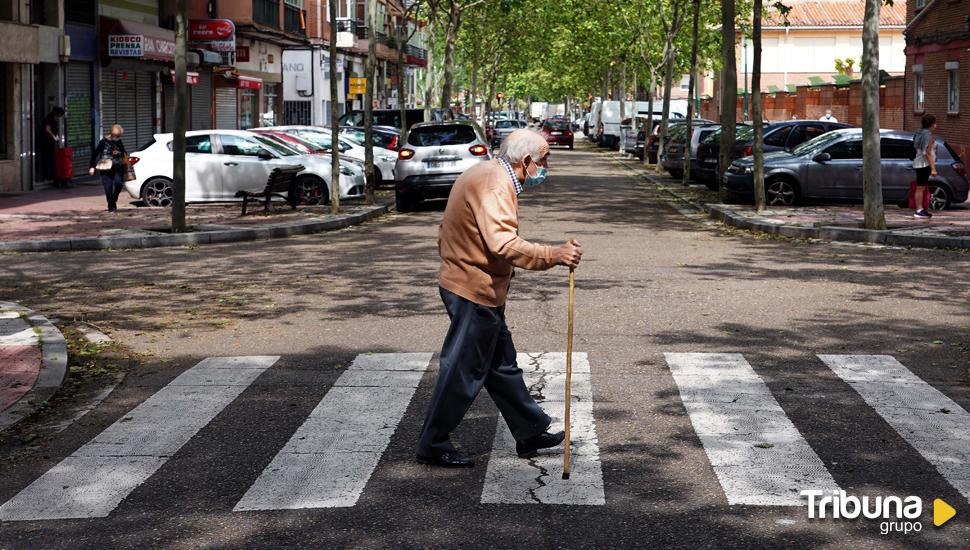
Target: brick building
<point>937,65</point>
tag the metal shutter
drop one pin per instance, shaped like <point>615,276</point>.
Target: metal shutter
<point>202,102</point>
<point>108,101</point>
<point>145,105</point>
<point>80,125</point>
<point>125,106</point>
<point>226,109</point>
<point>168,95</point>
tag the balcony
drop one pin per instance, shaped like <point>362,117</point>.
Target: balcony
<point>267,12</point>
<point>292,17</point>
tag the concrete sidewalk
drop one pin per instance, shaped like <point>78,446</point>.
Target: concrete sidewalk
<point>33,362</point>
<point>834,221</point>
<point>77,218</point>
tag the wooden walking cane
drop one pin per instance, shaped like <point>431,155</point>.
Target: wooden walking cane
<point>569,368</point>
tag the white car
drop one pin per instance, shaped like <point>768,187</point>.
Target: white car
<point>218,163</point>
<point>384,159</point>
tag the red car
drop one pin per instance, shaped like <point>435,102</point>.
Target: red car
<point>557,132</point>
<point>294,142</point>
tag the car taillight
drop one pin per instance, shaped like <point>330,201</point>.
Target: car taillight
<point>405,154</point>
<point>393,145</point>
<point>959,168</point>
<point>569,133</point>
<point>133,160</point>
<point>478,150</point>
<point>747,151</point>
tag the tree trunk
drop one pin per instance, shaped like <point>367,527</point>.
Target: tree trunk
<point>729,90</point>
<point>371,73</point>
<point>451,35</point>
<point>334,115</point>
<point>875,217</point>
<point>758,119</point>
<point>665,116</point>
<point>622,91</point>
<point>429,73</point>
<point>690,90</point>
<point>402,38</point>
<point>181,120</point>
<point>476,53</point>
<point>649,129</point>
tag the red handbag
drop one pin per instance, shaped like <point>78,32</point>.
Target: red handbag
<point>912,196</point>
<point>64,163</point>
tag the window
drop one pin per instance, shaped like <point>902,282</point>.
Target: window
<point>778,137</point>
<point>920,4</point>
<point>801,134</point>
<point>953,87</point>
<point>445,134</point>
<point>846,150</point>
<point>896,149</point>
<point>236,145</point>
<point>198,144</point>
<point>919,98</point>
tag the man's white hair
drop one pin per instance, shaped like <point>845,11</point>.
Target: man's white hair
<point>523,143</point>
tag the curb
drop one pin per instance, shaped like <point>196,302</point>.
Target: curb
<point>824,233</point>
<point>277,231</point>
<point>53,368</point>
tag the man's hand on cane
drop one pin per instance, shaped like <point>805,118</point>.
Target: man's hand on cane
<point>569,254</point>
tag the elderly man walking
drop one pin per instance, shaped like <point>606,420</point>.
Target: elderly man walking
<point>479,245</point>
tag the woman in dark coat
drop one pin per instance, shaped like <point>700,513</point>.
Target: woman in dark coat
<point>111,149</point>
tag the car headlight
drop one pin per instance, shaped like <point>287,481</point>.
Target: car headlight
<point>346,171</point>
<point>741,169</point>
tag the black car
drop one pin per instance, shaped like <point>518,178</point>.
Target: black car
<point>779,136</point>
<point>383,117</point>
<point>651,146</point>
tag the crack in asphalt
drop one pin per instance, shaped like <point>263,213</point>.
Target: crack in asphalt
<point>540,484</point>
<point>537,388</point>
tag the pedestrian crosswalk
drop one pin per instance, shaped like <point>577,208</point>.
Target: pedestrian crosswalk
<point>757,454</point>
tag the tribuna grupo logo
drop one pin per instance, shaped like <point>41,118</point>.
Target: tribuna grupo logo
<point>898,514</point>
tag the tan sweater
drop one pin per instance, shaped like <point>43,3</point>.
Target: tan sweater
<point>478,240</point>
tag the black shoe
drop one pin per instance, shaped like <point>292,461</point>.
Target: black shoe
<point>527,448</point>
<point>447,460</point>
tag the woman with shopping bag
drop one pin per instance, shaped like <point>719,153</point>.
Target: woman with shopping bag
<point>110,161</point>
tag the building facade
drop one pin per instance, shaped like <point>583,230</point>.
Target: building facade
<point>937,65</point>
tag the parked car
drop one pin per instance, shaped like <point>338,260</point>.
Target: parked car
<point>673,158</point>
<point>384,136</point>
<point>382,117</point>
<point>830,167</point>
<point>557,132</point>
<point>779,136</point>
<point>384,159</point>
<point>644,145</point>
<point>435,154</point>
<point>218,163</point>
<point>501,130</point>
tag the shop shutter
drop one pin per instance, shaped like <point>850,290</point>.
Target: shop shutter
<point>202,102</point>
<point>108,102</point>
<point>168,97</point>
<point>226,109</point>
<point>125,107</point>
<point>80,126</point>
<point>145,105</point>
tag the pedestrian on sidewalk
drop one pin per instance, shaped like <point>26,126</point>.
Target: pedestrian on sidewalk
<point>827,117</point>
<point>50,140</point>
<point>109,161</point>
<point>924,162</point>
<point>479,245</point>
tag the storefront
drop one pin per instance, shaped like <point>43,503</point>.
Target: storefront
<point>200,99</point>
<point>250,95</point>
<point>136,58</point>
<point>80,131</point>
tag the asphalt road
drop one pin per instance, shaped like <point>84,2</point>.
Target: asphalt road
<point>651,283</point>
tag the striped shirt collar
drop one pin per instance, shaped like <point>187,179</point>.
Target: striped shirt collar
<point>515,181</point>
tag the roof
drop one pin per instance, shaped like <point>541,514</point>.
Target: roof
<point>834,13</point>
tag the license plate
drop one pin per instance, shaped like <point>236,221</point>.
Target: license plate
<point>440,163</point>
<point>710,161</point>
<point>557,133</point>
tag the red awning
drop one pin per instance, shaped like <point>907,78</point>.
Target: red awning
<point>123,39</point>
<point>250,82</point>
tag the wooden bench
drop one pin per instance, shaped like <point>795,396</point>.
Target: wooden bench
<point>281,180</point>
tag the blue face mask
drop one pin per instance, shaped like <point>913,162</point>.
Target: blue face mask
<point>532,181</point>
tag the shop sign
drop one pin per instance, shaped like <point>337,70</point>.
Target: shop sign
<point>242,54</point>
<point>357,86</point>
<point>218,35</point>
<point>126,45</point>
<point>190,77</point>
<point>250,83</point>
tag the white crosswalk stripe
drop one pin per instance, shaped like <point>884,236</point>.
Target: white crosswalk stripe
<point>98,476</point>
<point>512,480</point>
<point>758,455</point>
<point>936,426</point>
<point>330,458</point>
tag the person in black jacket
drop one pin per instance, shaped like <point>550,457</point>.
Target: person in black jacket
<point>108,160</point>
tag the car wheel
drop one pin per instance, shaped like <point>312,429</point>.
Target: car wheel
<point>403,204</point>
<point>312,190</point>
<point>781,192</point>
<point>158,192</point>
<point>939,198</point>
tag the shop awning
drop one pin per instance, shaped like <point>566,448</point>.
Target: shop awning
<point>126,39</point>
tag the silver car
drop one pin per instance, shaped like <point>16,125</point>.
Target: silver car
<point>435,154</point>
<point>830,167</point>
<point>502,130</point>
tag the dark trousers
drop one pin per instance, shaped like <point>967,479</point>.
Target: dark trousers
<point>478,351</point>
<point>113,182</point>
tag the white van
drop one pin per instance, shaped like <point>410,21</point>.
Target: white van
<point>594,121</point>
